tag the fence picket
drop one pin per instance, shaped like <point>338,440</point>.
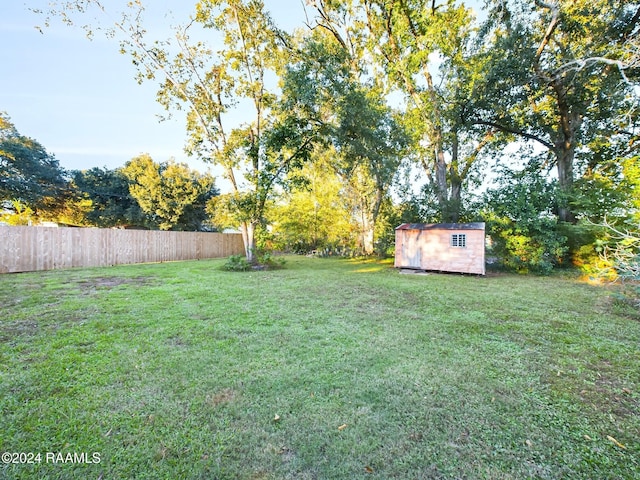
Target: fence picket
<point>28,249</point>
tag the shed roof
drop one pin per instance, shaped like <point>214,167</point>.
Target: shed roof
<point>442,226</point>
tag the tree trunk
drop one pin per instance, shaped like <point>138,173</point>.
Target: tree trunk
<point>368,226</point>
<point>369,217</point>
<point>441,181</point>
<point>455,192</point>
<point>565,148</point>
<point>564,160</point>
<point>437,140</point>
<point>248,231</point>
<point>453,212</point>
<point>367,236</point>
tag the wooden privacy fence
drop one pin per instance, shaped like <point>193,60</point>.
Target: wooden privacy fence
<point>27,249</point>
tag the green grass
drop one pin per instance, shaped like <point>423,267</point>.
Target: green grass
<point>326,369</point>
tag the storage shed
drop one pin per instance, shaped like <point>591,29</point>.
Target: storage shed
<point>446,247</point>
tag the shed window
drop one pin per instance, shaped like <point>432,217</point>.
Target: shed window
<point>459,240</point>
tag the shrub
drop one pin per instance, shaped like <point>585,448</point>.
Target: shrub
<point>521,221</point>
<point>623,252</point>
<point>237,263</point>
<point>269,261</point>
<point>536,247</point>
<point>262,261</point>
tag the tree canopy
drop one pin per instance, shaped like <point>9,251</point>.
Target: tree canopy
<point>28,173</point>
<point>111,202</point>
<point>558,74</point>
<point>530,99</point>
<point>171,195</point>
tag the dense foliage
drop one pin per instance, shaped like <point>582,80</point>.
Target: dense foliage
<point>141,194</point>
<point>172,196</point>
<point>111,202</point>
<point>28,174</point>
<point>522,223</point>
<point>523,114</point>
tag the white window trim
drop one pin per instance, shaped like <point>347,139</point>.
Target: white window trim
<point>458,240</point>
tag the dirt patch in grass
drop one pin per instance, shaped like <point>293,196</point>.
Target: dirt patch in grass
<point>44,324</point>
<point>178,342</point>
<point>617,303</point>
<point>23,328</point>
<point>599,389</point>
<point>111,282</point>
<point>224,396</point>
<point>608,393</point>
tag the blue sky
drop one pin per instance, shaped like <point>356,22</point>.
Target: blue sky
<point>79,98</point>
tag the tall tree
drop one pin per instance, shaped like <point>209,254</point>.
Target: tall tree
<point>416,48</point>
<point>171,194</point>
<point>224,92</point>
<point>324,87</point>
<point>111,203</point>
<point>372,144</point>
<point>28,173</point>
<point>560,74</point>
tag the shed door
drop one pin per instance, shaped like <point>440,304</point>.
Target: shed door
<point>412,249</point>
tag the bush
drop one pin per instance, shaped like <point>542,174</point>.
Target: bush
<point>520,214</point>
<point>622,251</point>
<point>269,261</point>
<point>262,261</point>
<point>593,265</point>
<point>533,248</point>
<point>237,263</point>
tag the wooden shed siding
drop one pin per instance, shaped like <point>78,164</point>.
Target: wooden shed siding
<point>430,249</point>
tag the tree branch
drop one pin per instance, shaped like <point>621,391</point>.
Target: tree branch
<point>515,131</point>
<point>555,18</point>
<point>632,24</point>
<point>581,64</point>
<point>476,151</point>
<point>281,169</point>
<point>327,23</point>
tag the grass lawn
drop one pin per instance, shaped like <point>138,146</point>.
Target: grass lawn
<point>328,369</point>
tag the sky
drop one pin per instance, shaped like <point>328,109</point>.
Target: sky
<point>80,99</point>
